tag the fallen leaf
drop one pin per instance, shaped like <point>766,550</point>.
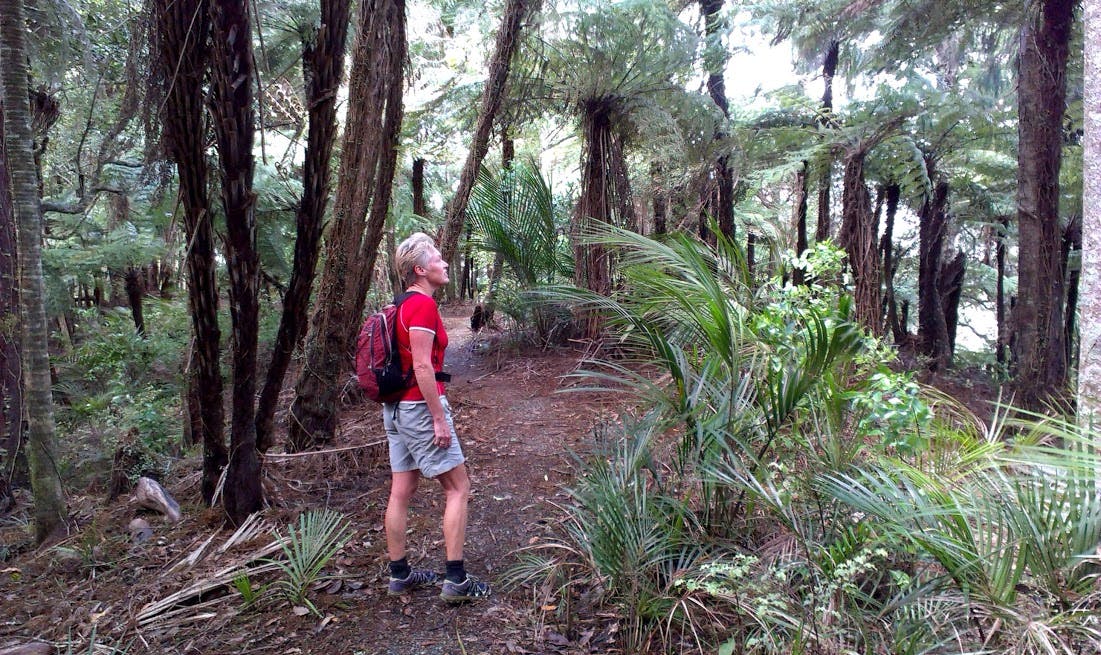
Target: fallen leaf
<point>299,610</point>
<point>549,608</point>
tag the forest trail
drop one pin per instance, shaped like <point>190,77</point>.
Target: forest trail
<point>518,435</point>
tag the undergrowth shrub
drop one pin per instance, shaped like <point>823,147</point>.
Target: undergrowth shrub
<point>792,494</point>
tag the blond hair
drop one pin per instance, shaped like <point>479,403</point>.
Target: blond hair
<point>412,252</point>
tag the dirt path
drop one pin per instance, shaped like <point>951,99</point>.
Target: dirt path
<point>517,434</point>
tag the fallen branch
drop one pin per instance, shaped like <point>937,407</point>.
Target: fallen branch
<point>280,457</point>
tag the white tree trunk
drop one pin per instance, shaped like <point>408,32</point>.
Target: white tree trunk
<point>1089,297</point>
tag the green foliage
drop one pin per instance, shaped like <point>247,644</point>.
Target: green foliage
<point>625,535</point>
<point>515,217</point>
<point>307,549</point>
<point>250,594</point>
<point>129,382</point>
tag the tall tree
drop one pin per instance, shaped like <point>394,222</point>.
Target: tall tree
<point>829,70</point>
<point>367,161</point>
<point>714,62</point>
<point>50,513</point>
<point>322,68</point>
<point>932,326</point>
<point>516,13</point>
<point>1040,356</point>
<point>234,127</point>
<point>11,369</point>
<point>183,30</point>
<point>1089,308</point>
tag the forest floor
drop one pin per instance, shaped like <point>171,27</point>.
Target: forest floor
<point>173,593</point>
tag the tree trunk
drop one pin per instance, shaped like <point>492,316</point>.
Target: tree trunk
<point>890,265</point>
<point>1000,301</point>
<point>135,293</point>
<point>1089,341</point>
<point>50,513</point>
<point>367,159</point>
<point>798,275</point>
<point>858,236</point>
<point>234,128</point>
<point>714,62</point>
<point>11,369</point>
<point>1039,355</point>
<point>932,327</point>
<point>1072,264</point>
<point>660,196</point>
<point>183,30</point>
<point>516,12</point>
<point>323,69</point>
<point>950,283</point>
<point>420,207</point>
<point>829,69</point>
<point>598,203</point>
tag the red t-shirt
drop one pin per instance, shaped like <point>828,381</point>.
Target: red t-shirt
<point>419,312</point>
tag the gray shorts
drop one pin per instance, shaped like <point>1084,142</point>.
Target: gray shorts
<point>409,431</point>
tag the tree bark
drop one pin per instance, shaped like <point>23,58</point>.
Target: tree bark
<point>890,266</point>
<point>1000,299</point>
<point>135,293</point>
<point>234,128</point>
<point>183,28</point>
<point>516,12</point>
<point>323,69</point>
<point>11,369</point>
<point>50,513</point>
<point>829,68</point>
<point>1089,344</point>
<point>1039,354</point>
<point>798,275</point>
<point>420,207</point>
<point>1072,244</point>
<point>600,202</point>
<point>932,327</point>
<point>858,235</point>
<point>365,178</point>
<point>950,283</point>
<point>714,61</point>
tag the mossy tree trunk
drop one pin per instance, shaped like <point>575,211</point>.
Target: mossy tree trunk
<point>50,512</point>
<point>367,160</point>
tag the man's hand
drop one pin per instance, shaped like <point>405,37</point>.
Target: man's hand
<point>443,432</point>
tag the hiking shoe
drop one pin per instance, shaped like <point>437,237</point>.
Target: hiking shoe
<point>461,592</point>
<point>416,578</point>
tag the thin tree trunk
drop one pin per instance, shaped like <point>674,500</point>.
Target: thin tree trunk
<point>1000,301</point>
<point>829,69</point>
<point>135,292</point>
<point>798,275</point>
<point>183,31</point>
<point>886,247</point>
<point>1072,243</point>
<point>516,12</point>
<point>50,513</point>
<point>661,197</point>
<point>714,60</point>
<point>323,66</point>
<point>1089,348</point>
<point>1040,355</point>
<point>367,158</point>
<point>932,327</point>
<point>234,129</point>
<point>11,369</point>
<point>420,207</point>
